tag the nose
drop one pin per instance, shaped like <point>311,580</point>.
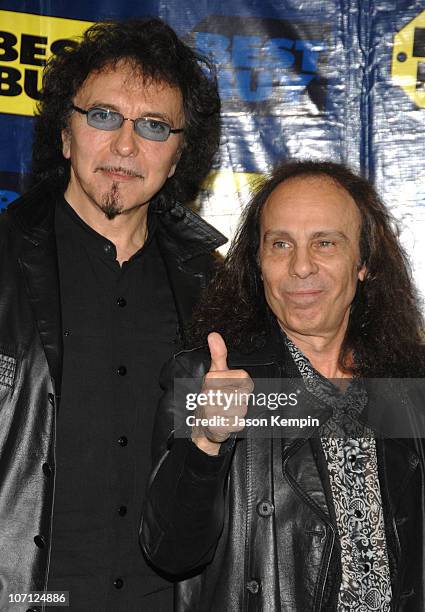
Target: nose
<point>125,142</point>
<point>302,263</point>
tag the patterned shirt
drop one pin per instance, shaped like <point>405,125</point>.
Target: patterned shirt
<point>350,453</point>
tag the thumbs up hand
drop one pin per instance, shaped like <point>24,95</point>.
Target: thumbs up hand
<point>218,352</point>
<point>226,408</point>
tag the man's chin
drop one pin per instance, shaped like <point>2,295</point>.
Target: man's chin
<point>304,325</point>
<point>111,212</point>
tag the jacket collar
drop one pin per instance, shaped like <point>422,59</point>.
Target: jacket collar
<point>34,212</point>
<point>183,227</point>
<point>273,350</point>
<point>182,230</point>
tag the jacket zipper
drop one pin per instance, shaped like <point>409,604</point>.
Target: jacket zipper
<point>248,521</point>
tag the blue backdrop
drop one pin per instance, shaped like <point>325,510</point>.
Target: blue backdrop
<point>320,79</point>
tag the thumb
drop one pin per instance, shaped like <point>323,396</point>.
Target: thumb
<point>218,352</point>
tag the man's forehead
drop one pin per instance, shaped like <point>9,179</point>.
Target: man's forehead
<point>309,199</point>
<point>130,73</point>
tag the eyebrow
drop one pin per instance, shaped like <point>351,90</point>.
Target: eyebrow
<point>153,114</point>
<point>270,234</point>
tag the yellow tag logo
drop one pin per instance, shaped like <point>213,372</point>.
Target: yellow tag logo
<point>408,63</point>
<point>26,42</point>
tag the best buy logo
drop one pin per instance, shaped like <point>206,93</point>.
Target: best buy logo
<point>26,42</point>
<point>408,63</point>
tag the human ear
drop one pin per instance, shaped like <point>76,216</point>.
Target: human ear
<point>66,143</point>
<point>362,271</point>
<point>175,162</point>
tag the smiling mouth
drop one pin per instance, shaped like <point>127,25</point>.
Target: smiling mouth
<point>306,296</point>
<point>119,173</point>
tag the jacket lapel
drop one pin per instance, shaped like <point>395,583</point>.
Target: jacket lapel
<point>398,460</point>
<point>39,267</point>
<point>302,470</point>
<point>186,242</point>
<point>298,454</point>
<point>34,215</point>
<point>186,286</point>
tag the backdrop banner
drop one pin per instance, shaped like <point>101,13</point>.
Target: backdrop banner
<point>338,80</point>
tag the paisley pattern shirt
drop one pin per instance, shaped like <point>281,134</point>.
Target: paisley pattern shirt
<point>350,452</point>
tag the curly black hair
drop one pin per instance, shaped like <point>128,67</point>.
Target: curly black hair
<point>156,52</point>
<point>385,329</point>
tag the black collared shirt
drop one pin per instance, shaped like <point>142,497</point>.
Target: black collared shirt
<point>119,326</point>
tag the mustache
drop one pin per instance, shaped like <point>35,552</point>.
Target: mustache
<point>119,169</point>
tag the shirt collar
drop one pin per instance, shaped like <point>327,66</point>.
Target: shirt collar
<point>97,244</point>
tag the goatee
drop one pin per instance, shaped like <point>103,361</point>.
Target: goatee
<point>110,205</point>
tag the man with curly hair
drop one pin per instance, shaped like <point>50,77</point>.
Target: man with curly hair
<point>101,264</point>
<point>315,504</point>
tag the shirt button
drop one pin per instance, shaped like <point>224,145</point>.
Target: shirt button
<point>107,248</point>
<point>122,370</point>
<point>122,510</point>
<point>118,583</point>
<point>265,508</point>
<point>121,302</point>
<point>123,441</point>
<point>47,470</point>
<point>253,586</point>
<point>39,541</point>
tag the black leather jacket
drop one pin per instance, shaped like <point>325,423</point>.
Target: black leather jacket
<point>30,366</point>
<point>254,529</point>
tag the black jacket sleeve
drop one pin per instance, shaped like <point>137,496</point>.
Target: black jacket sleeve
<point>184,509</point>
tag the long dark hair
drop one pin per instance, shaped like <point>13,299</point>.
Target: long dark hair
<point>385,324</point>
<point>158,55</point>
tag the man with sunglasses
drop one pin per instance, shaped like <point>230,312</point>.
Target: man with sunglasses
<point>101,266</point>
